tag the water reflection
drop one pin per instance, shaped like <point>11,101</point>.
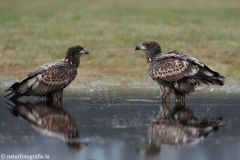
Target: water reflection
<point>49,118</point>
<point>177,126</point>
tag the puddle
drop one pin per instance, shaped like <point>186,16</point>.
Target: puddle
<point>123,122</point>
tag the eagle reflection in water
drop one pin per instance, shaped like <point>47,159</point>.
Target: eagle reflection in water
<point>178,126</point>
<point>49,118</point>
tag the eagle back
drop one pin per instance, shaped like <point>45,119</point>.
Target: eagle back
<point>172,67</point>
<point>48,78</point>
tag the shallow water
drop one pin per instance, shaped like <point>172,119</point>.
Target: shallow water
<point>106,123</point>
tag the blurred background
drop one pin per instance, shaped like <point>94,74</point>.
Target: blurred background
<point>37,32</point>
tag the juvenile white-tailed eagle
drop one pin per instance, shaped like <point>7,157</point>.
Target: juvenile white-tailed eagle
<point>175,72</point>
<point>50,119</point>
<point>50,79</point>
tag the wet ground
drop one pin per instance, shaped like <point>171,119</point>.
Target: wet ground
<point>123,123</point>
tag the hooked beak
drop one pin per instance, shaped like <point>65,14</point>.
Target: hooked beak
<point>140,47</point>
<point>84,51</point>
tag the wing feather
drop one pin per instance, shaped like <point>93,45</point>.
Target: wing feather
<point>45,67</point>
<point>47,78</point>
<point>172,68</point>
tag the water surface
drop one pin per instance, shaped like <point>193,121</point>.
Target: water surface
<point>106,123</point>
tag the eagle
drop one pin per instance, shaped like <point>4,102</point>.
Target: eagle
<point>178,125</point>
<point>50,79</point>
<point>176,72</point>
<point>49,119</point>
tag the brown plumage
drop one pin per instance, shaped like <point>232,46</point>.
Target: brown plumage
<point>177,126</point>
<point>49,119</point>
<point>178,73</point>
<point>50,79</point>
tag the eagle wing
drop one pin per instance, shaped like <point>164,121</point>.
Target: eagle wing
<point>47,78</point>
<point>172,67</point>
<point>46,119</point>
<point>44,67</point>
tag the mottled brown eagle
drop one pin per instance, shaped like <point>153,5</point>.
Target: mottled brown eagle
<point>175,72</point>
<point>50,79</point>
<point>178,125</point>
<point>49,119</point>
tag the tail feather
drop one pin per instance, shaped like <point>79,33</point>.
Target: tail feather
<point>15,92</point>
<point>220,80</point>
<point>15,86</point>
<point>9,89</point>
<point>210,76</point>
<point>11,95</point>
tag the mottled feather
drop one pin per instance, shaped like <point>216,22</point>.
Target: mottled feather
<point>176,72</point>
<point>171,69</point>
<point>49,119</point>
<point>49,79</point>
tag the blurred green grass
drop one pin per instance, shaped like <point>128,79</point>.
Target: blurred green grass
<point>36,32</point>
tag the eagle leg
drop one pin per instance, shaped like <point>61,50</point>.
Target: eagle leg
<point>54,103</point>
<point>179,96</point>
<point>57,95</point>
<point>166,92</point>
<point>165,110</point>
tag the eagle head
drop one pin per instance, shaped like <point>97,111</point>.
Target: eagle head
<point>73,54</point>
<point>76,50</point>
<point>149,47</point>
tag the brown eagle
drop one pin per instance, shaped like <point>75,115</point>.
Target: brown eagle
<point>49,119</point>
<point>176,126</point>
<point>175,72</point>
<point>50,79</point>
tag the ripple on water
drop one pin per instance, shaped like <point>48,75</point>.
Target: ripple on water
<point>140,100</point>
